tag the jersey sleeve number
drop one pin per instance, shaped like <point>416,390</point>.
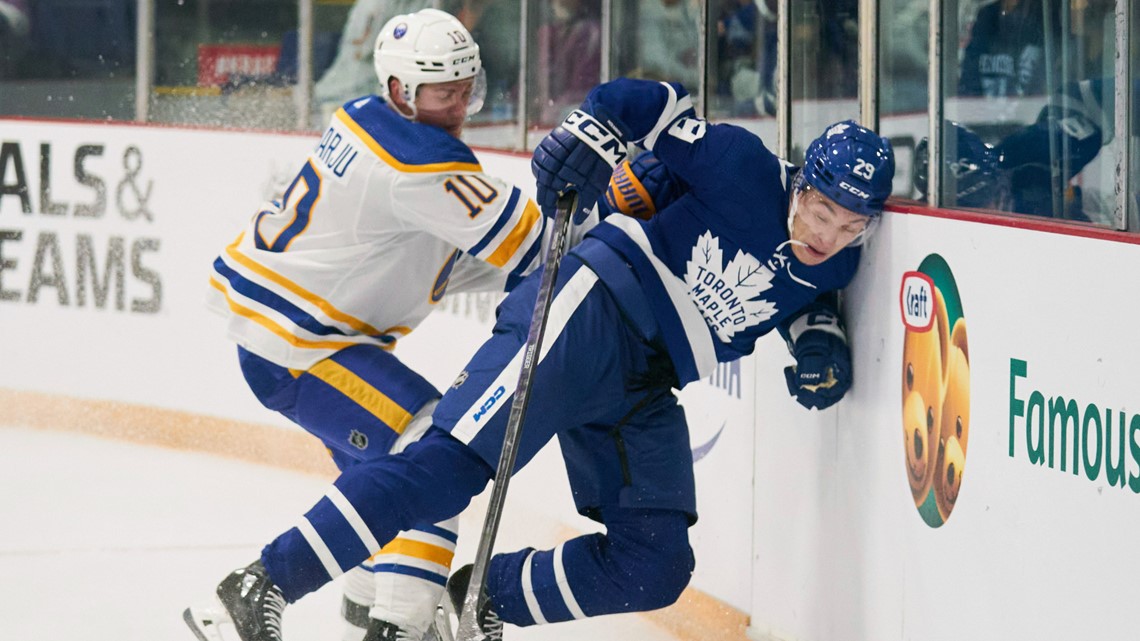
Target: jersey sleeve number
<point>298,203</point>
<point>465,189</point>
<point>688,129</point>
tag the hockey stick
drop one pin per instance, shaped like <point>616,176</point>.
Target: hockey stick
<point>468,629</point>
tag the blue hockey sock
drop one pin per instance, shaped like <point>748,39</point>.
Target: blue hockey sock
<point>434,479</point>
<point>642,563</point>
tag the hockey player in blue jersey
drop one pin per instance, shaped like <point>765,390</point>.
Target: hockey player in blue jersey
<point>741,243</point>
<point>388,212</point>
<point>1017,173</point>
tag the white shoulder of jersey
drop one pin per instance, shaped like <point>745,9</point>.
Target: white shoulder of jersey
<point>485,217</point>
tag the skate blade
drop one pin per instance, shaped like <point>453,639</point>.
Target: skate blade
<point>441,628</point>
<point>206,623</point>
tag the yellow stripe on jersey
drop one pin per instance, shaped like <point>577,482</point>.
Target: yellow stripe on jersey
<point>320,303</point>
<point>429,168</point>
<point>419,550</point>
<point>363,393</point>
<point>268,324</point>
<point>511,243</point>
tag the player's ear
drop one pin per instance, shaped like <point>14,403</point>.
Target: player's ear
<point>396,93</point>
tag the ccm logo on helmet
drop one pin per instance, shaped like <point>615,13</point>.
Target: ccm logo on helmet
<point>854,190</point>
<point>459,61</point>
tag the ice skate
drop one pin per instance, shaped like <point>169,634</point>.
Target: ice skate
<point>249,603</point>
<point>356,615</point>
<point>383,631</point>
<point>489,622</point>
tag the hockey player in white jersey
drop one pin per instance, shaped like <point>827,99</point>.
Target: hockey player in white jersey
<point>388,212</point>
<point>737,243</point>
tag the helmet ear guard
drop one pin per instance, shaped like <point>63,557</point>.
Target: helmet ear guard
<point>429,46</point>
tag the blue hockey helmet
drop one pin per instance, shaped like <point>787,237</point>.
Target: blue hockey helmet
<point>971,168</point>
<point>851,165</point>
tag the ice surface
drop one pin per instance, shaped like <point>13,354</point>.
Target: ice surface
<point>103,540</point>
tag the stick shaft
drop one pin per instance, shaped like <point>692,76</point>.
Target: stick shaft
<point>468,629</point>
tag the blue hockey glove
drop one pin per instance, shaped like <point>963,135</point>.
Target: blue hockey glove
<point>822,373</point>
<point>641,187</point>
<point>580,154</point>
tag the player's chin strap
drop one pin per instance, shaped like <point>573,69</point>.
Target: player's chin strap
<point>792,241</point>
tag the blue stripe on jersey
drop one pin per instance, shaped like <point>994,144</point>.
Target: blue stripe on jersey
<point>408,570</point>
<point>255,292</point>
<point>504,216</point>
<point>438,531</point>
<point>408,142</point>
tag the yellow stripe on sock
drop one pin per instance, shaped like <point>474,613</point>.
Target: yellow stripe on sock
<point>419,550</point>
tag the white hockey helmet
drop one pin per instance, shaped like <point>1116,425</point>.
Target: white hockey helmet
<point>428,46</point>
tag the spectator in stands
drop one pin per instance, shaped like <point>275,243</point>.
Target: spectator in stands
<point>668,41</point>
<point>735,41</point>
<point>1005,56</point>
<point>14,29</point>
<point>495,26</point>
<point>905,62</point>
<point>752,84</point>
<point>569,61</point>
<point>838,48</point>
<point>351,74</point>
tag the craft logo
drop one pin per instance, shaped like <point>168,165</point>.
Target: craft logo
<point>935,388</point>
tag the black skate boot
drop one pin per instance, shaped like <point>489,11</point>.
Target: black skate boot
<point>251,603</point>
<point>489,622</point>
<point>383,631</point>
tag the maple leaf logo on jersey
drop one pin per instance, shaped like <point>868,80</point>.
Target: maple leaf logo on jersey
<point>728,295</point>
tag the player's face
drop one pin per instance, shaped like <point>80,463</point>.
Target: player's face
<point>823,227</point>
<point>444,104</point>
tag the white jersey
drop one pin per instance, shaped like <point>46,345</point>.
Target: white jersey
<point>383,216</point>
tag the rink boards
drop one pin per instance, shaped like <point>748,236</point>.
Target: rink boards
<point>814,526</point>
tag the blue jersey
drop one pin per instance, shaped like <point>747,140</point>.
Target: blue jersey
<point>1006,53</point>
<point>716,264</point>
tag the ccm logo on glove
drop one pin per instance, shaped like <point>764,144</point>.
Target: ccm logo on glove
<point>587,129</point>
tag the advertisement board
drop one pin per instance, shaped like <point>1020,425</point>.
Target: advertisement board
<point>967,487</point>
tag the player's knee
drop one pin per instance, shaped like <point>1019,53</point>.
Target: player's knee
<point>658,559</point>
<point>670,571</point>
<point>450,472</point>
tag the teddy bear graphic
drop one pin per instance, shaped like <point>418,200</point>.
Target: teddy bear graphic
<point>936,411</point>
